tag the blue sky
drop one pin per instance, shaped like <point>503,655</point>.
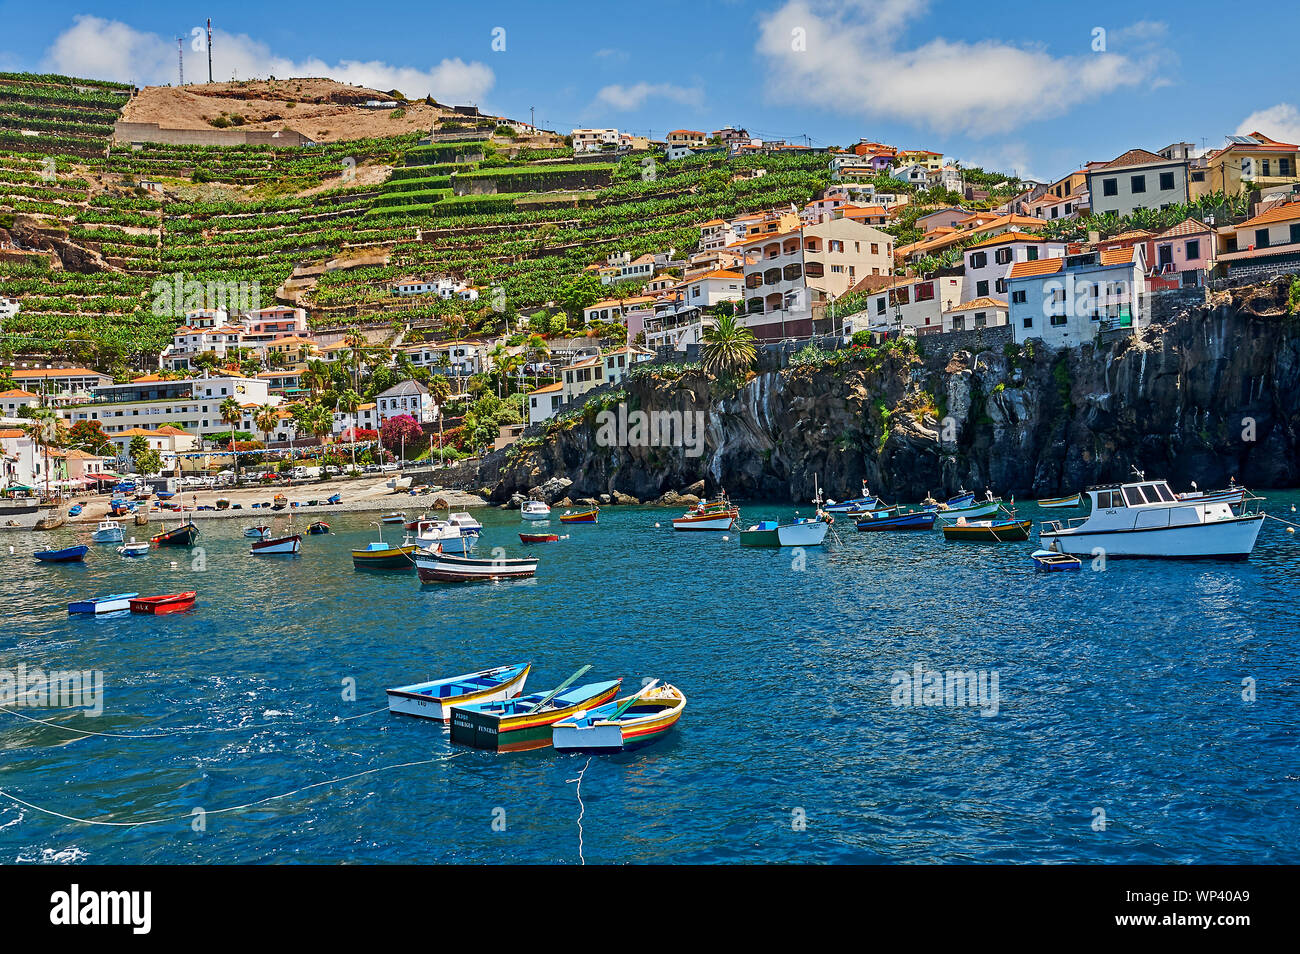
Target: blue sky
<point>1014,86</point>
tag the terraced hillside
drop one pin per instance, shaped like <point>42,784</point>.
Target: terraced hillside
<point>82,239</point>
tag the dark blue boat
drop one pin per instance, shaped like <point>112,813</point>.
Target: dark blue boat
<point>66,555</point>
<point>920,520</point>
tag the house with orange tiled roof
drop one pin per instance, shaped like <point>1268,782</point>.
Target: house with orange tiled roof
<point>912,304</point>
<point>969,229</point>
<point>1182,254</point>
<point>59,380</point>
<point>975,314</point>
<point>710,288</point>
<point>14,398</point>
<point>1264,245</point>
<point>876,215</point>
<point>1067,301</point>
<point>988,262</point>
<point>1138,179</point>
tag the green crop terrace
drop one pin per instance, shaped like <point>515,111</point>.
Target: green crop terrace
<point>274,209</point>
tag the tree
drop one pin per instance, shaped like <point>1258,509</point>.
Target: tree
<point>317,377</point>
<point>396,432</point>
<point>266,418</point>
<point>89,436</point>
<point>232,413</point>
<point>580,293</point>
<point>46,430</point>
<point>348,403</point>
<point>149,462</point>
<point>728,347</point>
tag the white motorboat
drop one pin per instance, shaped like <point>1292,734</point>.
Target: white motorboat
<point>534,510</point>
<point>277,546</point>
<point>257,533</point>
<point>438,566</point>
<point>950,513</point>
<point>1146,519</point>
<point>107,531</point>
<point>432,534</point>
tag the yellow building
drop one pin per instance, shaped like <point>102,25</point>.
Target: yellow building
<point>1264,162</point>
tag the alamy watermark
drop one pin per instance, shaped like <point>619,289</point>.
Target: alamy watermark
<point>626,428</point>
<point>953,688</point>
<point>35,688</point>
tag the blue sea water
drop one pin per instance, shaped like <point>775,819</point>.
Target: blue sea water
<point>1120,691</point>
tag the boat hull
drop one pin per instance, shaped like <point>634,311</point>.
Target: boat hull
<point>447,568</point>
<point>109,604</point>
<point>789,535</point>
<point>1232,539</point>
<point>975,511</point>
<point>902,521</point>
<point>107,536</point>
<point>161,605</point>
<point>587,516</point>
<point>394,558</point>
<point>643,728</point>
<point>279,546</point>
<point>535,514</point>
<point>408,700</point>
<point>1002,531</point>
<point>523,732</point>
<point>723,520</point>
<point>847,506</point>
<point>183,536</point>
<point>66,555</point>
<point>1060,503</point>
<point>539,537</point>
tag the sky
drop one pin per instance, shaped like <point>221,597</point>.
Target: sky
<point>1034,89</point>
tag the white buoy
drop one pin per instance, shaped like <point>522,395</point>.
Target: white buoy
<point>11,549</point>
<point>725,537</point>
<point>1290,529</point>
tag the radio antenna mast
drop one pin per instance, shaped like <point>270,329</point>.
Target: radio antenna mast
<point>209,49</point>
<point>180,58</point>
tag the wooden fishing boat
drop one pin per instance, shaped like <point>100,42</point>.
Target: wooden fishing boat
<point>718,514</point>
<point>334,499</point>
<point>1232,496</point>
<point>273,546</point>
<point>134,549</point>
<point>166,494</point>
<point>107,531</point>
<point>395,517</point>
<point>75,510</point>
<point>523,723</point>
<point>539,537</point>
<point>142,518</point>
<point>435,567</point>
<point>384,556</point>
<point>582,516</point>
<point>985,508</point>
<point>434,700</point>
<point>257,533</point>
<point>1049,561</point>
<point>53,519</point>
<point>450,537</point>
<point>118,507</point>
<point>807,532</point>
<point>158,605</point>
<point>864,502</point>
<point>182,536</point>
<point>104,604</point>
<point>626,723</point>
<point>279,502</point>
<point>915,520</point>
<point>318,527</point>
<point>534,510</point>
<point>65,555</point>
<point>1055,503</point>
<point>989,531</point>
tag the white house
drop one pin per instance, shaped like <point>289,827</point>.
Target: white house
<point>708,289</point>
<point>989,262</point>
<point>1137,180</point>
<point>544,402</point>
<point>409,397</point>
<point>14,398</point>
<point>976,313</point>
<point>1066,301</point>
<point>594,140</point>
<point>912,305</point>
<point>914,173</point>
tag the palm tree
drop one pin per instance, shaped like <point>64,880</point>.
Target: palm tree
<point>317,377</point>
<point>728,347</point>
<point>357,344</point>
<point>232,414</point>
<point>266,417</point>
<point>348,402</point>
<point>45,428</point>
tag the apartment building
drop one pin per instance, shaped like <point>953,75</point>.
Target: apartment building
<point>1067,301</point>
<point>910,305</point>
<point>1138,179</point>
<point>989,262</point>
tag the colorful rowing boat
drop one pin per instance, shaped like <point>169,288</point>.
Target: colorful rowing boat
<point>158,605</point>
<point>523,723</point>
<point>582,516</point>
<point>277,546</point>
<point>1049,561</point>
<point>806,532</point>
<point>989,531</point>
<point>435,700</point>
<point>626,723</point>
<point>538,537</point>
<point>182,536</point>
<point>104,604</point>
<point>718,514</point>
<point>384,556</point>
<point>1060,503</point>
<point>433,566</point>
<point>916,520</point>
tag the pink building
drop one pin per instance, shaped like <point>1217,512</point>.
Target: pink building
<point>1180,256</point>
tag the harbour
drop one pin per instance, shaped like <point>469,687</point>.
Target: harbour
<point>272,681</point>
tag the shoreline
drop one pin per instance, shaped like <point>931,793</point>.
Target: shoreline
<point>358,497</point>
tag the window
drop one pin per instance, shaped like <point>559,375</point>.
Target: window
<point>1166,181</point>
<point>979,259</point>
<point>1138,184</point>
<point>880,306</point>
<point>1018,297</point>
<point>1261,238</point>
<point>1284,167</point>
<point>875,248</point>
<point>1058,320</point>
<point>1264,164</point>
<point>1000,286</point>
<point>1031,253</point>
<point>1029,321</point>
<point>1110,187</point>
<point>1193,248</point>
<point>1002,256</point>
<point>979,319</point>
<point>981,289</point>
<point>1295,233</point>
<point>1198,176</point>
<point>925,291</point>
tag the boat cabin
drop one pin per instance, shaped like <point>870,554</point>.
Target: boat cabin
<point>1145,493</point>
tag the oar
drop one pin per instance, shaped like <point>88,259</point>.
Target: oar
<point>633,698</point>
<point>560,688</point>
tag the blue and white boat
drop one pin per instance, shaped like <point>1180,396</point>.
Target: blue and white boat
<point>134,549</point>
<point>66,555</point>
<point>107,531</point>
<point>916,520</point>
<point>118,602</point>
<point>865,502</point>
<point>75,510</point>
<point>435,700</point>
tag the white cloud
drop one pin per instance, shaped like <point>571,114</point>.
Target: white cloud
<point>854,60</point>
<point>109,49</point>
<point>1011,158</point>
<point>1281,122</point>
<point>618,96</point>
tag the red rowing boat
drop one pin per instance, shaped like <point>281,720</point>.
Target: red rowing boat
<point>539,537</point>
<point>157,605</point>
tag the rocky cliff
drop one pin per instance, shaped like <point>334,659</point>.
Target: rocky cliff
<point>1213,393</point>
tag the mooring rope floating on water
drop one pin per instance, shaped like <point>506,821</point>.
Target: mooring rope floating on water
<point>581,810</point>
<point>169,735</point>
<point>223,811</point>
<point>1280,520</point>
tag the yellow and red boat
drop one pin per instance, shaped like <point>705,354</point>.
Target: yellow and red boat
<point>626,723</point>
<point>582,516</point>
<point>989,531</point>
<point>717,514</point>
